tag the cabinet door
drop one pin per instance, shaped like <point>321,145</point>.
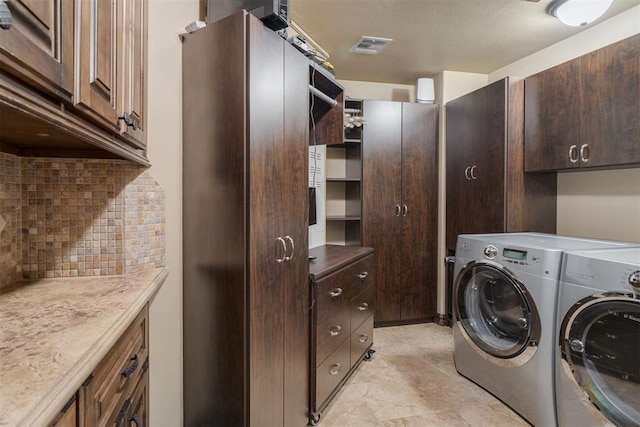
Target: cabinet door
<point>266,174</point>
<point>138,414</point>
<point>133,81</point>
<point>552,118</point>
<point>100,42</point>
<point>38,47</point>
<point>610,81</point>
<point>381,182</point>
<point>475,162</point>
<point>295,201</point>
<point>419,213</point>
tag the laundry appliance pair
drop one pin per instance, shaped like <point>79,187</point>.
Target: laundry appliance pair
<point>506,336</point>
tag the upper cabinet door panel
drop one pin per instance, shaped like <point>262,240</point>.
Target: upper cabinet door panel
<point>552,118</point>
<point>38,48</point>
<point>610,91</point>
<point>99,42</point>
<point>133,85</point>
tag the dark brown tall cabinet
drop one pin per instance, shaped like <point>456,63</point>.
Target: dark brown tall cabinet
<point>399,207</point>
<point>246,288</point>
<point>585,112</point>
<point>487,189</point>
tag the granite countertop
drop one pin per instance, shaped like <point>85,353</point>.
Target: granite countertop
<point>54,332</point>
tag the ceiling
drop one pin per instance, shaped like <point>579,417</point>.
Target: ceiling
<point>429,36</point>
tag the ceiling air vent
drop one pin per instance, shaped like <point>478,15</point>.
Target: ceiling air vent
<point>370,45</point>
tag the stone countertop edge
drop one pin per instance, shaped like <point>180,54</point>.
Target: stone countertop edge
<point>43,411</point>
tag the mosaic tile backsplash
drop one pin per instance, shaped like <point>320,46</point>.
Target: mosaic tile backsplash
<point>78,217</point>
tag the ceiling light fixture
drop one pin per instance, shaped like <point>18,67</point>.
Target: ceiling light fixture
<point>578,13</point>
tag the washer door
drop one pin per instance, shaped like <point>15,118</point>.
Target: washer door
<point>600,341</point>
<point>496,312</point>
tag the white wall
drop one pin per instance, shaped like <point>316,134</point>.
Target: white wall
<point>167,19</point>
<point>379,91</point>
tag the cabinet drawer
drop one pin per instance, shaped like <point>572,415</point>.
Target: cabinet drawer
<point>114,379</point>
<point>361,340</point>
<point>362,306</point>
<point>332,323</point>
<point>332,371</point>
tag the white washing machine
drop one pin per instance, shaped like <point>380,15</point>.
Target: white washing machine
<point>504,301</point>
<point>598,362</point>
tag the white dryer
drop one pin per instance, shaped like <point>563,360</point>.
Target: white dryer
<point>504,301</point>
<point>598,362</point>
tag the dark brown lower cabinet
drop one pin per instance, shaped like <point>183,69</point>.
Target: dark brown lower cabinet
<point>399,208</point>
<point>343,287</point>
<point>246,290</point>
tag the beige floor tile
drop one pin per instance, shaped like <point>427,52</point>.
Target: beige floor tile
<point>412,381</point>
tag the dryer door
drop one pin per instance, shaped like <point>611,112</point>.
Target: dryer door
<point>496,312</point>
<point>600,342</point>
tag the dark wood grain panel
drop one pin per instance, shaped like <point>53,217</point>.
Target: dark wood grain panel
<point>610,89</point>
<point>294,199</point>
<point>530,198</point>
<point>332,372</point>
<point>361,340</point>
<point>362,306</point>
<point>485,129</point>
<point>215,382</point>
<point>331,258</point>
<point>552,117</point>
<point>382,199</point>
<point>267,205</point>
<point>476,162</point>
<point>332,322</point>
<point>419,219</point>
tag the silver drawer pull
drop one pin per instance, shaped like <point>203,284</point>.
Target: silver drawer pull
<point>363,275</point>
<point>335,331</point>
<point>335,369</point>
<point>335,293</point>
<point>363,338</point>
<point>363,306</point>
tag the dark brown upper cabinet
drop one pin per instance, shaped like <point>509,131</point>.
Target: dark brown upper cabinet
<point>585,112</point>
<point>487,190</point>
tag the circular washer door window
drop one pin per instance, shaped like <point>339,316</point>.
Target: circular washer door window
<point>601,343</point>
<point>495,310</point>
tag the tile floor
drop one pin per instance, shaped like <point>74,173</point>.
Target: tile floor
<point>412,381</point>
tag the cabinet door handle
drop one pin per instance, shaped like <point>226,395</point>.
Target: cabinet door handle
<point>135,418</point>
<point>284,250</point>
<point>335,331</point>
<point>405,210</point>
<point>130,120</point>
<point>397,210</point>
<point>584,153</point>
<point>363,306</point>
<point>363,275</point>
<point>472,172</point>
<point>132,368</point>
<point>335,369</point>
<point>363,338</point>
<point>288,258</point>
<point>466,173</point>
<point>335,293</point>
<point>573,154</point>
